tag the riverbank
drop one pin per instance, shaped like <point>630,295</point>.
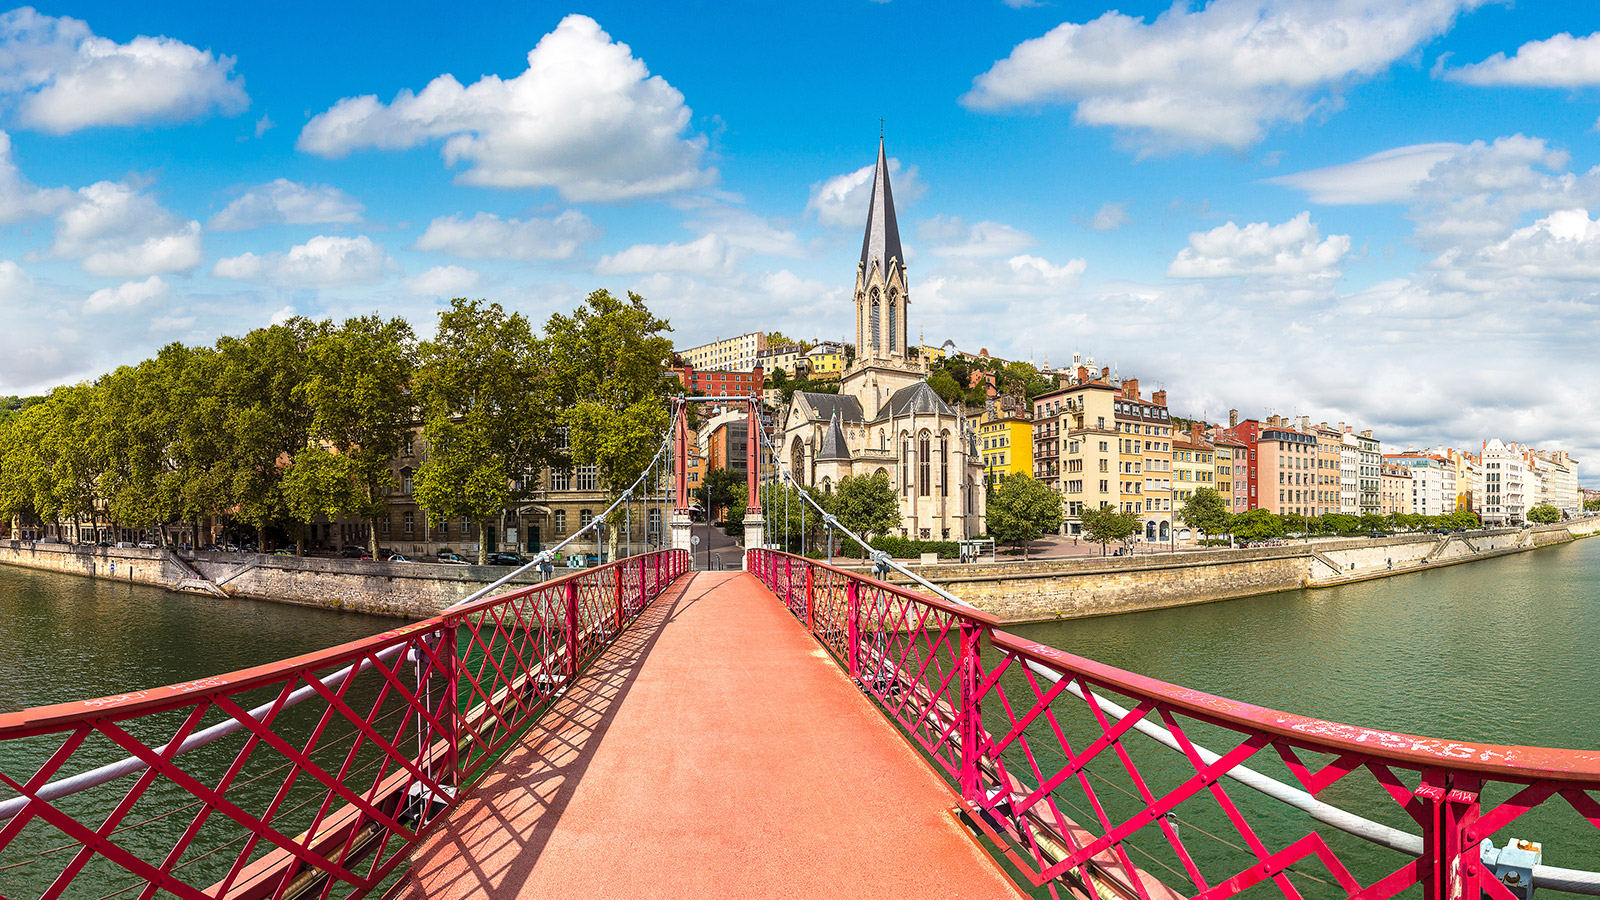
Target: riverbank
<point>1042,591</point>
<point>411,590</point>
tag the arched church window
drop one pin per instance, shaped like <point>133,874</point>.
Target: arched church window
<point>924,465</point>
<point>873,314</point>
<point>894,315</point>
<point>797,462</point>
<point>905,463</point>
<point>944,464</point>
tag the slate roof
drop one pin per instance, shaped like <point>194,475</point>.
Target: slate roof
<point>847,408</point>
<point>914,399</point>
<point>882,240</point>
<point>834,445</point>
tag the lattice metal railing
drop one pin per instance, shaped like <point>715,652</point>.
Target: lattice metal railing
<point>307,777</point>
<point>1098,782</point>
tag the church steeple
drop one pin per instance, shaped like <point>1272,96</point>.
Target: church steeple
<point>881,296</point>
<point>882,240</point>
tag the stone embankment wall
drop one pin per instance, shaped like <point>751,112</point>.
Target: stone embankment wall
<point>406,590</point>
<point>1096,586</point>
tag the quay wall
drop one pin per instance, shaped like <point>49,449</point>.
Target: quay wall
<point>410,590</point>
<point>1045,590</point>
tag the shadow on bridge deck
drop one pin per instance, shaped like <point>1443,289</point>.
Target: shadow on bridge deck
<point>742,764</point>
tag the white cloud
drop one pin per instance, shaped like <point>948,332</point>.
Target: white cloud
<point>841,201</point>
<point>1559,61</point>
<point>1295,248</point>
<point>284,202</point>
<point>119,232</point>
<point>283,315</point>
<point>1217,76</point>
<point>745,230</point>
<point>170,324</point>
<point>954,238</point>
<point>1109,217</point>
<point>321,262</point>
<point>708,255</point>
<point>19,199</point>
<point>487,236</point>
<point>126,296</point>
<point>586,118</point>
<point>65,78</point>
<point>1563,246</point>
<point>1391,176</point>
<point>444,281</point>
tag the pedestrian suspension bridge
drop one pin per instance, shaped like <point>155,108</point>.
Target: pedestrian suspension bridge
<point>797,729</point>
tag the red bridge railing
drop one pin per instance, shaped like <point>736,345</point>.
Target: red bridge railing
<point>1041,746</point>
<point>311,776</point>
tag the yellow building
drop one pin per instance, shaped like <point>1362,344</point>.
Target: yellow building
<point>1144,463</point>
<point>1193,467</point>
<point>827,361</point>
<point>1006,444</point>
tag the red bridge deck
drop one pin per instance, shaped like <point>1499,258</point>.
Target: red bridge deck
<point>743,764</point>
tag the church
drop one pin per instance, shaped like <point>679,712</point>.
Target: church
<point>885,417</point>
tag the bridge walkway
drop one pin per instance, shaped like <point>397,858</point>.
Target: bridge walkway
<point>713,751</point>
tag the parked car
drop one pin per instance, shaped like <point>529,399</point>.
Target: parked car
<point>445,556</point>
<point>1379,534</point>
<point>283,552</point>
<point>351,551</point>
<point>505,559</point>
<point>395,557</point>
<point>147,545</point>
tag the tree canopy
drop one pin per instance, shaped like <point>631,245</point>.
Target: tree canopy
<point>1543,514</point>
<point>1020,510</point>
<point>865,504</point>
<point>1108,524</point>
<point>1205,511</point>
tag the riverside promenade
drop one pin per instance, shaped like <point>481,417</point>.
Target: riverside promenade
<point>714,750</point>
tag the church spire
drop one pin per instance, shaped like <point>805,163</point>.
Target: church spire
<point>882,241</point>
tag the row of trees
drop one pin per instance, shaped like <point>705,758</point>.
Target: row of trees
<point>304,419</point>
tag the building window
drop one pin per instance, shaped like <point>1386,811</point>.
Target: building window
<point>385,526</point>
<point>655,521</point>
<point>405,481</point>
<point>588,478</point>
<point>584,518</point>
<point>410,522</point>
<point>924,466</point>
<point>560,480</point>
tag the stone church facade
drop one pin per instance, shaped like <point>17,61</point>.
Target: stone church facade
<point>885,417</point>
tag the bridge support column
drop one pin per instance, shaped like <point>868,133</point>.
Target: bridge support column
<point>681,524</point>
<point>755,530</point>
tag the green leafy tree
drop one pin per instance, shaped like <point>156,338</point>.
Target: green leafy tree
<point>1341,523</point>
<point>1544,514</point>
<point>487,417</point>
<point>1020,510</point>
<point>1465,519</point>
<point>357,390</point>
<point>866,505</point>
<point>1591,505</point>
<point>1294,523</point>
<point>780,504</point>
<point>1257,525</point>
<point>944,384</point>
<point>608,373</point>
<point>718,490</point>
<point>1205,511</point>
<point>266,418</point>
<point>1108,524</point>
<point>1023,378</point>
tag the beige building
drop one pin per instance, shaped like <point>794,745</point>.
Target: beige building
<point>1075,444</point>
<point>885,418</point>
<point>1394,489</point>
<point>735,354</point>
<point>1144,464</point>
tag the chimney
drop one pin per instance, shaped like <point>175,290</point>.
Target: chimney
<point>1083,374</point>
<point>1159,398</point>
<point>1130,388</point>
<point>1233,418</point>
<point>1194,429</point>
<point>1367,433</point>
<point>1305,423</point>
<point>1105,372</point>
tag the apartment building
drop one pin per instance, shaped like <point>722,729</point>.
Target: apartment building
<point>1394,489</point>
<point>1144,462</point>
<point>1555,475</point>
<point>1193,465</point>
<point>736,354</point>
<point>1432,484</point>
<point>1005,440</point>
<point>1075,445</point>
<point>720,382</point>
<point>1504,484</point>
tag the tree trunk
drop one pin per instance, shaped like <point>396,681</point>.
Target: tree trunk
<point>372,537</point>
<point>299,539</point>
<point>483,545</point>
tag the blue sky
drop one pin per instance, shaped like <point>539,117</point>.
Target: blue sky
<point>1373,211</point>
